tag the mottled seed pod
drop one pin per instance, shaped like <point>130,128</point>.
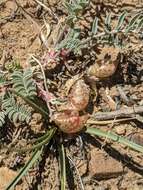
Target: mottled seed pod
<point>102,69</point>
<point>69,121</point>
<point>106,63</point>
<point>79,95</point>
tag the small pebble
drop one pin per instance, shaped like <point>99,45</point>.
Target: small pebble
<point>120,130</point>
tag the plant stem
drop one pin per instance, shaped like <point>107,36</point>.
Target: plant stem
<point>23,171</point>
<point>45,84</point>
<point>115,137</point>
<point>32,104</point>
<point>103,34</point>
<point>62,166</point>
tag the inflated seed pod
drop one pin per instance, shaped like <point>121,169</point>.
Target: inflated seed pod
<point>79,95</point>
<point>102,69</point>
<point>69,121</point>
<point>106,63</point>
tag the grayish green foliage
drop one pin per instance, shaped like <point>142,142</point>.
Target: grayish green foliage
<point>2,113</point>
<point>135,24</point>
<point>2,118</point>
<point>121,20</point>
<point>16,111</point>
<point>110,34</point>
<point>74,7</point>
<point>107,27</point>
<point>71,41</point>
<point>23,83</point>
<point>94,26</point>
<point>24,87</point>
<point>2,79</point>
<point>13,65</point>
<point>111,135</point>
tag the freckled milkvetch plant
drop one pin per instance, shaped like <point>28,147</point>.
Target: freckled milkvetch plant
<point>21,85</point>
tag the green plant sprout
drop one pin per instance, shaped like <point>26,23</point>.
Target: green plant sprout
<point>110,35</point>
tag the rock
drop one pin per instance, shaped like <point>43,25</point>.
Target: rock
<point>120,130</point>
<point>6,176</point>
<point>36,122</point>
<point>136,138</point>
<point>102,167</point>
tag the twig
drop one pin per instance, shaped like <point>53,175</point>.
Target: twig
<point>124,96</point>
<point>122,113</point>
<point>77,172</point>
<point>103,34</point>
<point>47,8</point>
<point>45,84</point>
<point>92,121</point>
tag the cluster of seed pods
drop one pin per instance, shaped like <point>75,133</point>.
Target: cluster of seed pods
<point>69,120</point>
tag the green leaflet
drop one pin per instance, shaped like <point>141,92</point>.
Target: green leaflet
<point>13,65</point>
<point>71,41</point>
<point>111,35</point>
<point>95,26</point>
<point>107,22</point>
<point>121,20</point>
<point>23,83</point>
<point>2,118</point>
<point>75,6</point>
<point>2,79</point>
<point>16,111</point>
<point>133,22</point>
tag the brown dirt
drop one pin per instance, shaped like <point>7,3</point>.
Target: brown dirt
<point>102,165</point>
<point>6,175</point>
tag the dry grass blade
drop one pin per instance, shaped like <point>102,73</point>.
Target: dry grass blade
<point>46,8</point>
<point>106,122</point>
<point>77,172</point>
<point>45,83</point>
<point>48,32</point>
